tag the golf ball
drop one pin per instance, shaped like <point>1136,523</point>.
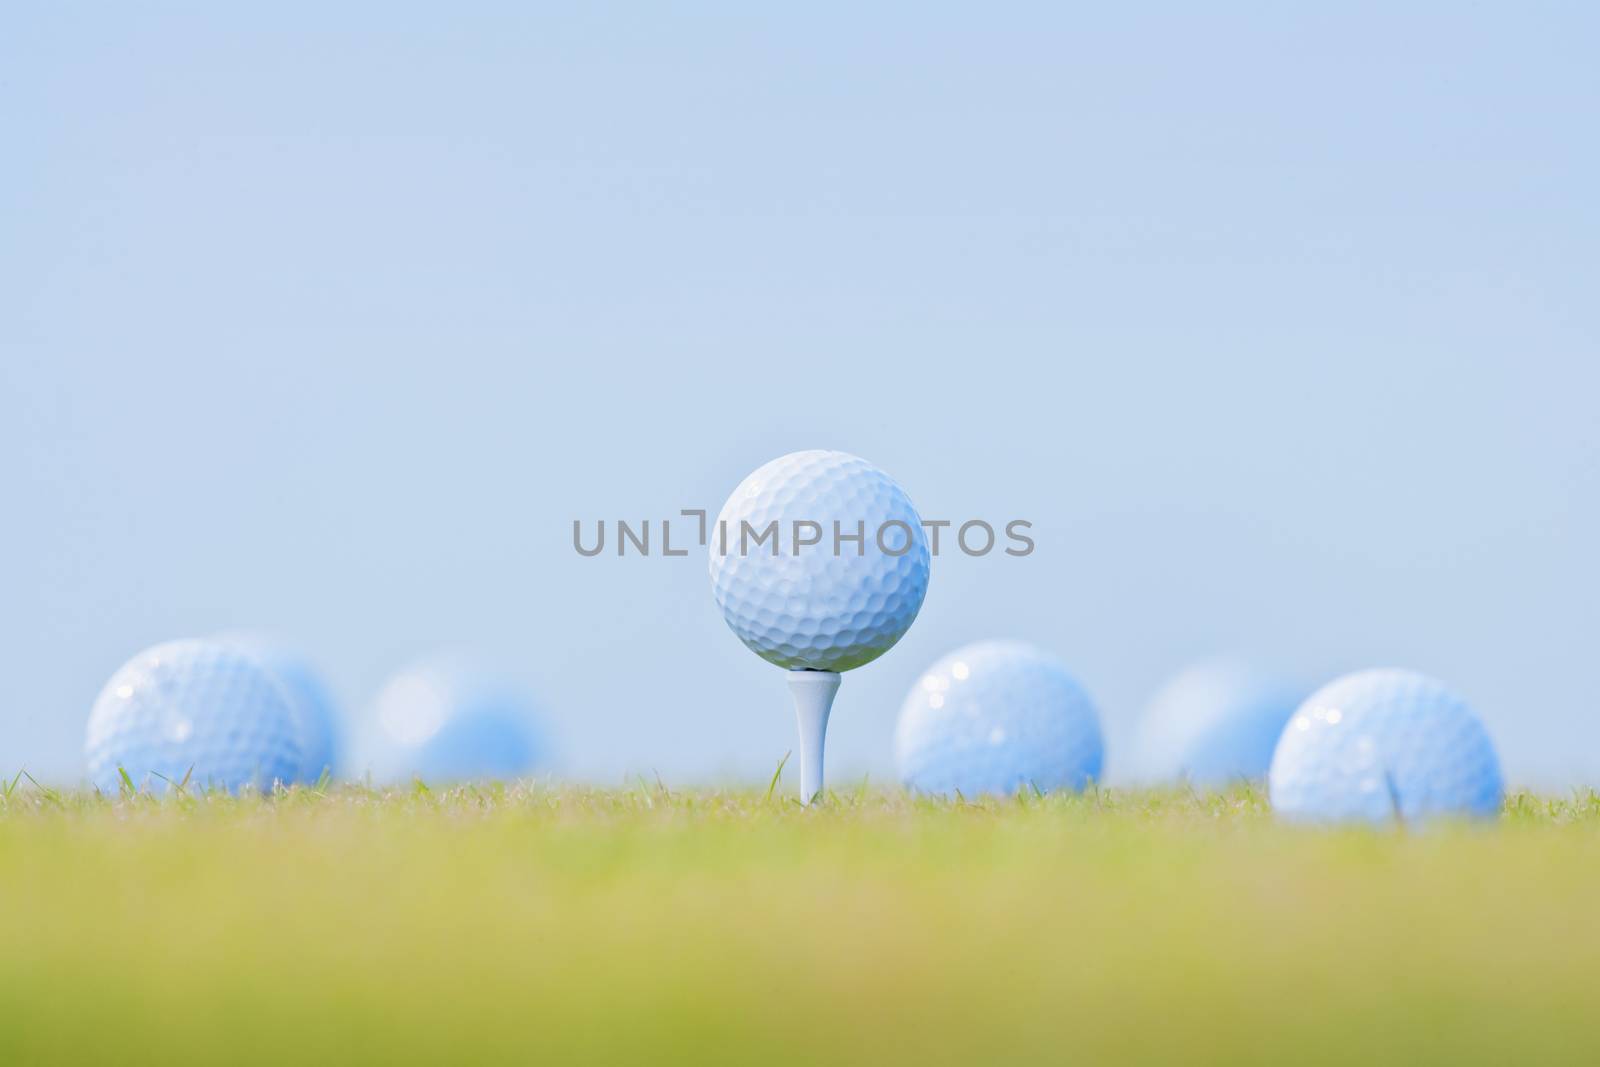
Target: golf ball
<point>204,710</point>
<point>447,720</point>
<point>995,717</point>
<point>842,568</point>
<point>1381,746</point>
<point>1216,722</point>
<point>316,712</point>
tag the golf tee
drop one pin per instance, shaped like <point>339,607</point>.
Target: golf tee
<point>813,693</point>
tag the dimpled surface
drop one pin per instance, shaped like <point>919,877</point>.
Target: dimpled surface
<point>815,610</point>
<point>205,705</point>
<point>316,713</point>
<point>1384,744</point>
<point>995,717</point>
<point>448,720</point>
<point>1215,722</point>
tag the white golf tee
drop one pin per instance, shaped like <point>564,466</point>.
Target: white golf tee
<point>813,698</point>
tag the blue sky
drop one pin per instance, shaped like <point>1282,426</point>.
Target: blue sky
<point>1279,326</point>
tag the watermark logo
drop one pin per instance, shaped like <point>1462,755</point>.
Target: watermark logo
<point>895,537</point>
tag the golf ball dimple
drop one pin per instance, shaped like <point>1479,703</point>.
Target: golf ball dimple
<point>1215,722</point>
<point>316,713</point>
<point>1382,746</point>
<point>447,720</point>
<point>995,717</point>
<point>840,572</point>
<point>206,710</point>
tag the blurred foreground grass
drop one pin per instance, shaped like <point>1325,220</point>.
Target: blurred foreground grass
<point>562,924</point>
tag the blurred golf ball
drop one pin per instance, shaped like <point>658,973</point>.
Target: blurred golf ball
<point>316,712</point>
<point>1215,722</point>
<point>995,717</point>
<point>208,710</point>
<point>448,720</point>
<point>806,606</point>
<point>1382,746</point>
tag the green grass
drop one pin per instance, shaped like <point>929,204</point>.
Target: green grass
<point>562,924</point>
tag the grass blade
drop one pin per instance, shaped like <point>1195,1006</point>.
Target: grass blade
<point>776,775</point>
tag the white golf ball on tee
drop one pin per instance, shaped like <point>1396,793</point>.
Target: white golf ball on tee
<point>819,563</point>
